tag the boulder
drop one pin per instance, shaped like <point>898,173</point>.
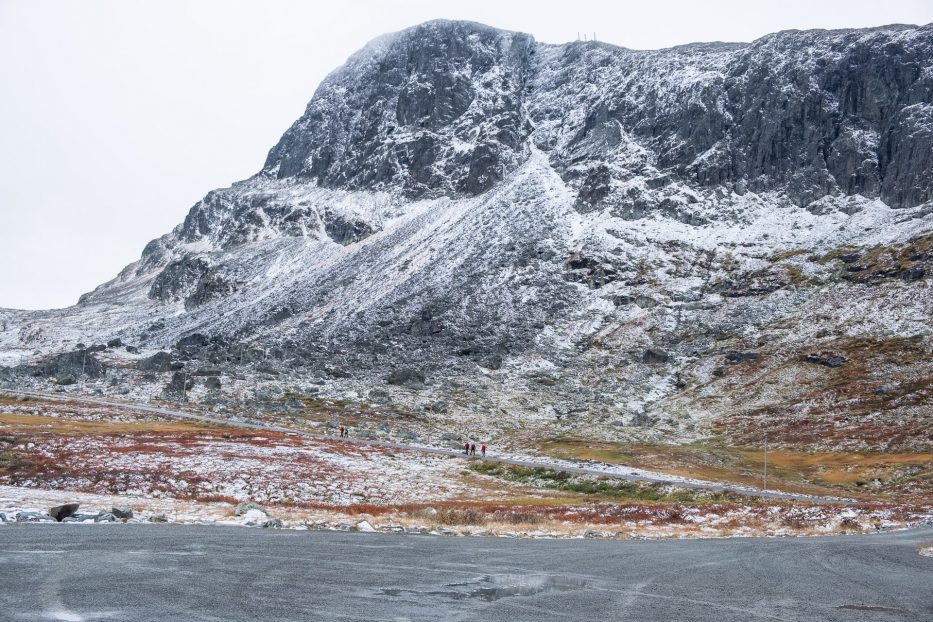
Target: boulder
<point>115,343</point>
<point>70,365</point>
<point>406,377</point>
<point>158,362</point>
<point>105,517</point>
<point>378,396</point>
<point>653,356</point>
<point>194,340</point>
<point>179,385</point>
<point>81,518</point>
<point>492,362</point>
<point>245,506</point>
<point>61,512</point>
<point>273,523</point>
<point>739,357</point>
<point>365,527</point>
<point>122,512</point>
<point>826,359</point>
<point>33,517</point>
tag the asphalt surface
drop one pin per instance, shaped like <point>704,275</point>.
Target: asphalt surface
<point>556,466</point>
<point>208,573</point>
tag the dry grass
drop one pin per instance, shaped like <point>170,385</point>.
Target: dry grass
<point>26,424</point>
<point>826,473</point>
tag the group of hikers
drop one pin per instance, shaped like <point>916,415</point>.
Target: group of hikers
<point>470,449</point>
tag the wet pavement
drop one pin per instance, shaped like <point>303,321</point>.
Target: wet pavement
<point>192,573</point>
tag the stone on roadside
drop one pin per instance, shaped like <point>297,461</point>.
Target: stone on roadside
<point>122,512</point>
<point>61,512</point>
<point>245,506</point>
<point>81,518</point>
<point>274,523</point>
<point>254,517</point>
<point>365,527</point>
<point>33,517</point>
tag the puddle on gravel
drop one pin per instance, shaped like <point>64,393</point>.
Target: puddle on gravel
<point>494,587</point>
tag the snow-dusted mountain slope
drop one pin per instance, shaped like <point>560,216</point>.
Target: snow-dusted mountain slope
<point>532,232</point>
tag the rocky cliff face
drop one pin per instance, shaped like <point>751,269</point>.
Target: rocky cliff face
<point>449,108</point>
<point>524,232</point>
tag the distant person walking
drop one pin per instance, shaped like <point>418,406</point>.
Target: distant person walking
<point>473,449</point>
<point>466,449</point>
<point>484,451</point>
<point>341,431</point>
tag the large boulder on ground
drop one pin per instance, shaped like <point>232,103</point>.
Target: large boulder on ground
<point>653,356</point>
<point>406,377</point>
<point>122,512</point>
<point>61,512</point>
<point>160,362</point>
<point>71,365</point>
<point>33,517</point>
<point>194,340</point>
<point>178,387</point>
<point>826,359</point>
<point>245,506</point>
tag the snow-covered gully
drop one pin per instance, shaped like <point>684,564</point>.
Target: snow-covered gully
<point>592,468</point>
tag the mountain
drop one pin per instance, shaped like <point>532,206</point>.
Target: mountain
<point>717,238</point>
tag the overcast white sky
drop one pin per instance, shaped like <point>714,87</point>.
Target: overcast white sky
<point>117,116</point>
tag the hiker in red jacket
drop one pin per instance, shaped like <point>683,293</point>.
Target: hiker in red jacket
<point>466,448</point>
<point>341,431</point>
<point>483,450</point>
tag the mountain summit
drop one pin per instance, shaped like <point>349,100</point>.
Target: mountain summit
<point>472,222</point>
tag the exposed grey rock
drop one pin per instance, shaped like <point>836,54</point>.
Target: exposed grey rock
<point>81,518</point>
<point>61,512</point>
<point>158,362</point>
<point>419,92</point>
<point>739,357</point>
<point>653,356</point>
<point>192,341</point>
<point>273,523</point>
<point>405,377</point>
<point>69,366</point>
<point>33,517</point>
<point>179,385</point>
<point>378,396</point>
<point>122,512</point>
<point>105,517</point>
<point>827,359</point>
<point>493,361</point>
<point>245,506</point>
